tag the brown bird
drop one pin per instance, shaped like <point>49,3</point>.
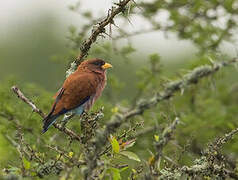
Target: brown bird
<point>79,91</point>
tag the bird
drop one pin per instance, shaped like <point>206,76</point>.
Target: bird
<point>79,91</point>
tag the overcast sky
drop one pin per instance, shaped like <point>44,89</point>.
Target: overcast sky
<point>17,12</point>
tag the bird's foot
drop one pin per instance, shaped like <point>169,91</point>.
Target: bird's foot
<point>63,123</point>
<point>85,113</point>
<point>66,118</point>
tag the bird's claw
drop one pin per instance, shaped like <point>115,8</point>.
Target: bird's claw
<point>66,119</point>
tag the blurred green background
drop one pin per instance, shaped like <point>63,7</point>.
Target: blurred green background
<point>35,54</point>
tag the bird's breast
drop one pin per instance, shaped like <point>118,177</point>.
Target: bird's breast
<point>100,87</point>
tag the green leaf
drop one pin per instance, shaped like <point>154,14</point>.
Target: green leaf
<point>26,163</point>
<point>115,173</point>
<point>115,145</point>
<point>130,155</point>
<point>33,174</point>
<point>156,138</point>
<point>71,154</point>
<point>123,169</point>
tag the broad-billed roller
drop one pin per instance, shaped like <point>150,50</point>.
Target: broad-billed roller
<point>79,91</point>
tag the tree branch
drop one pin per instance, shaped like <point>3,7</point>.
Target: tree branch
<point>65,130</point>
<point>191,78</point>
<point>96,32</point>
<point>207,162</point>
<point>100,29</point>
<point>74,161</point>
<point>166,137</point>
<point>206,165</point>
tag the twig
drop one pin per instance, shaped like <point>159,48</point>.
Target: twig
<point>206,165</point>
<point>27,101</point>
<point>123,135</point>
<point>145,131</point>
<point>100,29</point>
<point>96,32</point>
<point>136,33</point>
<point>166,137</point>
<point>14,121</point>
<point>65,130</point>
<point>223,140</point>
<point>63,153</point>
<point>205,168</point>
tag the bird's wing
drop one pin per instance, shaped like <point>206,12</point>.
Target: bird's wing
<point>78,89</point>
<point>56,94</point>
<point>57,98</point>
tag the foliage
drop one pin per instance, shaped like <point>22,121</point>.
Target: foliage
<point>153,121</point>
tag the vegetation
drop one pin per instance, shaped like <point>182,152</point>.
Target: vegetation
<point>153,121</point>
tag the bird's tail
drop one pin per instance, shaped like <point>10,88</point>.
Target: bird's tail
<point>48,121</point>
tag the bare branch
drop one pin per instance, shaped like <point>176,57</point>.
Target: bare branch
<point>67,131</point>
<point>101,28</point>
<point>27,101</point>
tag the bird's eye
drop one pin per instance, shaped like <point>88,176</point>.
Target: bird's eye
<point>99,63</point>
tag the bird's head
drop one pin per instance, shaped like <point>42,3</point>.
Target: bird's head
<point>95,65</point>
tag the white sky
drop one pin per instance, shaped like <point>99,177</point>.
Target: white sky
<point>17,12</point>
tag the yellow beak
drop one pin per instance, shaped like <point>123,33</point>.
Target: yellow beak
<point>106,66</point>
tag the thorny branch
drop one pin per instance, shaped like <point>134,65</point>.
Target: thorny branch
<point>27,101</point>
<point>206,165</point>
<point>97,31</point>
<point>101,28</point>
<point>65,130</point>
